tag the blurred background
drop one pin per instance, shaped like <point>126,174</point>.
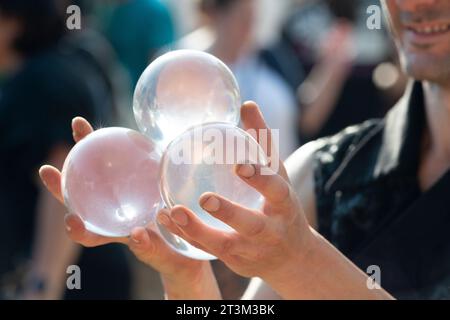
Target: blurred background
<point>313,66</point>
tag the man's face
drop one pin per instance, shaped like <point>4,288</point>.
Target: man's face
<point>237,21</point>
<point>421,29</point>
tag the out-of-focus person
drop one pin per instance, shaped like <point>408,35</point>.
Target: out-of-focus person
<point>229,34</point>
<point>48,80</point>
<point>137,30</point>
<point>328,55</point>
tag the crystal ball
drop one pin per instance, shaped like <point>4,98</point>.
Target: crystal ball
<point>110,179</point>
<point>181,89</point>
<point>203,159</point>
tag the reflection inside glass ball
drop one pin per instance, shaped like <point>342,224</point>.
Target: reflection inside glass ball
<point>110,180</point>
<point>203,159</point>
<point>182,89</point>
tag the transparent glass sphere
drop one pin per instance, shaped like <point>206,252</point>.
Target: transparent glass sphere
<point>182,89</point>
<point>110,179</point>
<point>203,159</point>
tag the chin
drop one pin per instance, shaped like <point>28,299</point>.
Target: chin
<point>427,69</point>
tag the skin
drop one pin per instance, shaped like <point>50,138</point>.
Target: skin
<point>277,244</point>
<point>427,60</point>
<point>326,79</point>
<point>234,29</point>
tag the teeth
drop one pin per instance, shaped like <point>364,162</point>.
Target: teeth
<point>432,29</point>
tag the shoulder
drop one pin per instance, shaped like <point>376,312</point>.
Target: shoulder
<point>329,151</point>
<point>59,86</point>
<point>312,166</point>
<point>300,170</point>
<point>353,144</point>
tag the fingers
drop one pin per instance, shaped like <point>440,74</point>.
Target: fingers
<point>273,187</point>
<point>51,177</point>
<point>80,128</point>
<point>141,243</point>
<point>245,221</point>
<point>78,233</point>
<point>252,119</point>
<point>216,242</point>
<point>148,247</point>
<point>164,219</point>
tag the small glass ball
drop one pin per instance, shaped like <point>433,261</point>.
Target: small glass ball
<point>110,180</point>
<point>182,89</point>
<point>203,159</point>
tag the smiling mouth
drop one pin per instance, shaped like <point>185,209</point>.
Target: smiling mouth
<point>429,30</point>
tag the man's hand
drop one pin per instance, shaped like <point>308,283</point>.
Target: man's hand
<point>267,242</point>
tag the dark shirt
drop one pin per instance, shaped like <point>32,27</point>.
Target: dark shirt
<point>37,105</point>
<point>370,205</point>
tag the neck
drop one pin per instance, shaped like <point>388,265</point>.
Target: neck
<point>437,106</point>
<point>435,158</point>
<point>225,52</point>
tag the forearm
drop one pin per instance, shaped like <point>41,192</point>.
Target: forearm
<point>319,93</point>
<point>53,251</point>
<point>201,286</point>
<point>323,273</point>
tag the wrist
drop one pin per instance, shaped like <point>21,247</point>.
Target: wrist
<point>193,285</point>
<point>287,279</point>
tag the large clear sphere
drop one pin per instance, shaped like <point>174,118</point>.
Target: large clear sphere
<point>110,180</point>
<point>182,89</point>
<point>203,159</point>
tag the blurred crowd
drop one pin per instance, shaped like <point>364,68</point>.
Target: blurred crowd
<point>321,70</point>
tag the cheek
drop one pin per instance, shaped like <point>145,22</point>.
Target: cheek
<point>393,19</point>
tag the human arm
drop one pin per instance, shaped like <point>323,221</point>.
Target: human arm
<point>183,278</point>
<point>276,243</point>
<point>319,93</point>
<point>52,250</point>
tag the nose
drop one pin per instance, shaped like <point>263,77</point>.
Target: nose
<point>414,5</point>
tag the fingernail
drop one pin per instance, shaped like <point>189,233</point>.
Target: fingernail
<point>163,219</point>
<point>211,204</point>
<point>246,170</point>
<point>180,217</point>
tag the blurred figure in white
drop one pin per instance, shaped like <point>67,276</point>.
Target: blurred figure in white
<point>229,33</point>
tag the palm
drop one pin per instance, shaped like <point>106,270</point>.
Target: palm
<point>145,243</point>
